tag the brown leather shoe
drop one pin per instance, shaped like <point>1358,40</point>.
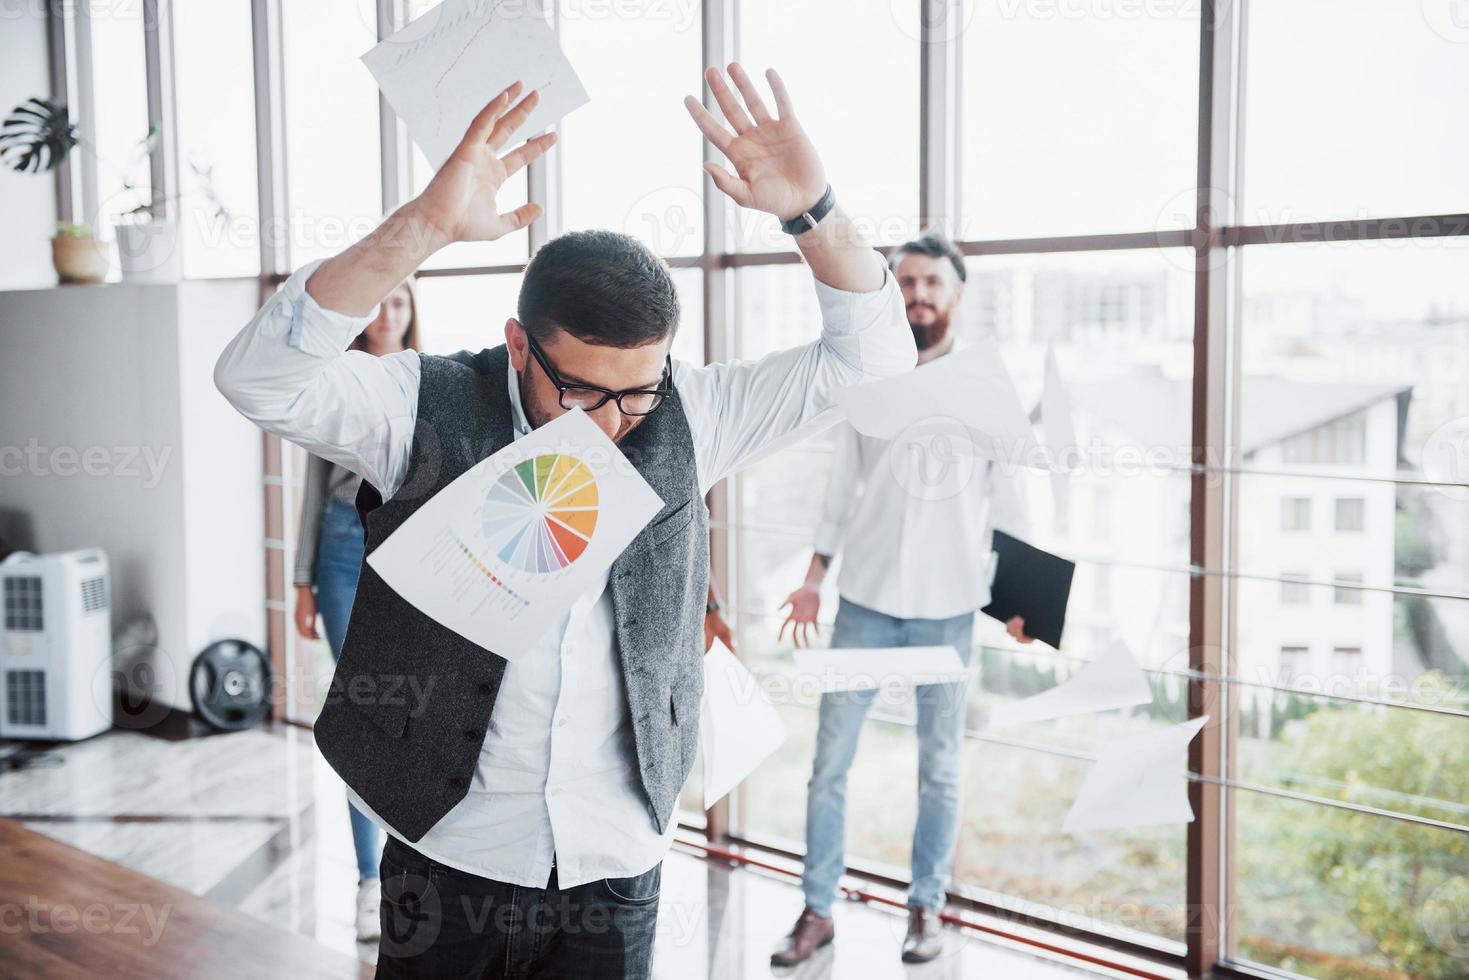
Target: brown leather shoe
<point>925,939</point>
<point>811,932</point>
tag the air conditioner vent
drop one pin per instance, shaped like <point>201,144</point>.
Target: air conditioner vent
<point>25,697</point>
<point>23,603</point>
<point>94,594</point>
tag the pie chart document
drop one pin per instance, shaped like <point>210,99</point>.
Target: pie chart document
<point>500,554</point>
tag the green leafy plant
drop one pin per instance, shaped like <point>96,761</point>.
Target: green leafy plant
<point>66,229</point>
<point>36,136</point>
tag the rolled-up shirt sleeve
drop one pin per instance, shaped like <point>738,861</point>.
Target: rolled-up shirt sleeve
<point>743,410</point>
<point>289,372</point>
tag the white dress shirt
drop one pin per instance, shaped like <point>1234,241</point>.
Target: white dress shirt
<point>912,518</point>
<point>557,776</point>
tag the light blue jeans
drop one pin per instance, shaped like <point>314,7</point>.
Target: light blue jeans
<point>940,762</point>
<point>338,560</point>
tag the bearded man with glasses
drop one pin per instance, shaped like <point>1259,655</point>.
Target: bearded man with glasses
<point>529,804</point>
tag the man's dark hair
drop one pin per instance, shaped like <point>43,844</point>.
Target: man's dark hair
<point>936,246</point>
<point>601,287</point>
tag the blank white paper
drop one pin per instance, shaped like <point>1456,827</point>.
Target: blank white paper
<point>738,726</point>
<point>856,669</point>
<point>1112,680</point>
<point>1137,781</point>
<point>441,69</point>
<point>969,389</point>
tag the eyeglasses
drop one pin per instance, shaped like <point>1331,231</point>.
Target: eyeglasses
<point>634,401</point>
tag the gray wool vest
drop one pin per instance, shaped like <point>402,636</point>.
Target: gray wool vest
<point>410,700</point>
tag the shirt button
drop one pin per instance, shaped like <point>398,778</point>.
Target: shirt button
<point>474,733</point>
<point>486,688</point>
<point>562,723</point>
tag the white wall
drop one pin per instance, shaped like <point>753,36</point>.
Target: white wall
<point>28,201</point>
<point>121,376</point>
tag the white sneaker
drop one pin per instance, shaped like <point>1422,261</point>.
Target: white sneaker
<point>368,928</point>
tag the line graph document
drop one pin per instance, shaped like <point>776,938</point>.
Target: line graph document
<point>442,68</point>
<point>500,554</point>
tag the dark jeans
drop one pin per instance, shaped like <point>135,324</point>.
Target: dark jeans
<point>441,922</point>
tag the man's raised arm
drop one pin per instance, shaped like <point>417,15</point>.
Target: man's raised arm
<point>778,171</point>
<point>288,370</point>
<point>756,407</point>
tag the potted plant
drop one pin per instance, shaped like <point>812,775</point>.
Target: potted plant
<point>77,256</point>
<point>39,134</point>
<point>34,138</point>
<point>147,240</point>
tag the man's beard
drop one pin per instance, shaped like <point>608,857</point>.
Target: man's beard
<point>931,334</point>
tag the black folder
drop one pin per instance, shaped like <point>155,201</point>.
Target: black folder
<point>1031,583</point>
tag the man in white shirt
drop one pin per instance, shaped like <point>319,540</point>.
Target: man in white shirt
<point>533,843</point>
<point>914,517</point>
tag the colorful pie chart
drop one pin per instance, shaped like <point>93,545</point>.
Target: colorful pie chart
<point>540,515</point>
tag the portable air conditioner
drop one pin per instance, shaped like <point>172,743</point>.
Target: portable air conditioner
<point>55,646</point>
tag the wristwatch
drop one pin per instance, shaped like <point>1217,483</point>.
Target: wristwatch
<point>807,219</point>
<point>712,606</point>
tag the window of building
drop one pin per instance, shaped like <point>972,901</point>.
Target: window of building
<point>1295,514</point>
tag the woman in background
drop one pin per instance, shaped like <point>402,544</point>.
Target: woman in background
<point>328,557</point>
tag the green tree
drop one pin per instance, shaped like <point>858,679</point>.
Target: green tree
<point>1397,877</point>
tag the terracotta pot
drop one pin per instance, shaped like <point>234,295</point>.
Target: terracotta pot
<point>80,260</point>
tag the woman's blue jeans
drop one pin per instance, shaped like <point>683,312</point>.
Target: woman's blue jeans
<point>940,759</point>
<point>338,559</point>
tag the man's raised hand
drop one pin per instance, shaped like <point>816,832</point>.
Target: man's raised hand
<point>460,200</point>
<point>776,166</point>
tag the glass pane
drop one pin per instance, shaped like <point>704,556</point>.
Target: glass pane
<point>1121,326</point>
<point>469,312</point>
<point>1322,142</point>
<point>1325,892</point>
<point>630,158</point>
<point>862,118</point>
<point>1077,118</point>
<point>120,115</point>
<point>1298,742</point>
<point>219,212</point>
<point>333,158</point>
<point>1127,883</point>
<point>688,342</point>
<point>775,308</point>
<point>1354,360</point>
<point>465,312</point>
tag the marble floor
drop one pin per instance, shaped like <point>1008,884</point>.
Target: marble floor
<point>257,820</point>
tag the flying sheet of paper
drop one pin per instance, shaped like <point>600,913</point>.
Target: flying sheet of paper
<point>441,69</point>
<point>969,391</point>
<point>1059,430</point>
<point>738,726</point>
<point>858,669</point>
<point>500,554</point>
<point>1137,781</point>
<point>1112,680</point>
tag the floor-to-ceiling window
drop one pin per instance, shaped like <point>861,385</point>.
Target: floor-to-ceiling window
<point>1318,325</point>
